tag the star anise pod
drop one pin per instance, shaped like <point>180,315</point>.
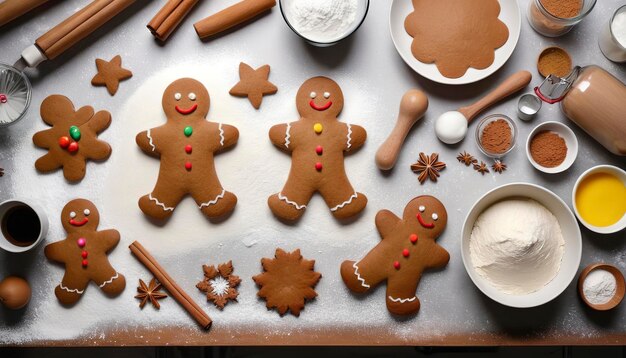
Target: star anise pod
<point>150,293</point>
<point>466,158</point>
<point>482,168</point>
<point>498,166</point>
<point>428,167</point>
<point>1,172</point>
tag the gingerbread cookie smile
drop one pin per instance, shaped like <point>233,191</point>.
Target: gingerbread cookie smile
<point>423,223</point>
<point>322,107</point>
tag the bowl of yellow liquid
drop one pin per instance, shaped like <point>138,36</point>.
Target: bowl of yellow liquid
<point>599,199</point>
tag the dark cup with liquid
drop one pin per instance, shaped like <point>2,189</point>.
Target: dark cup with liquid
<point>22,225</point>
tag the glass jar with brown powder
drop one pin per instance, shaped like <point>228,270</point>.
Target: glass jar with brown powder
<point>554,18</point>
<point>495,135</point>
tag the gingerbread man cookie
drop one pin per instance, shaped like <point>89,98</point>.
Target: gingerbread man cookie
<point>73,138</point>
<point>84,253</point>
<point>317,143</point>
<point>407,248</point>
<point>186,144</point>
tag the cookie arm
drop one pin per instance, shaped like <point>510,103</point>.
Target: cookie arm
<point>280,135</point>
<point>386,221</point>
<point>110,238</point>
<point>229,135</point>
<point>100,121</point>
<point>40,139</point>
<point>438,257</point>
<point>145,141</point>
<point>54,252</point>
<point>355,137</point>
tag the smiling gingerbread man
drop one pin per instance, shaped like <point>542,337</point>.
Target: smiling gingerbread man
<point>317,143</point>
<point>84,253</point>
<point>186,145</point>
<point>407,248</point>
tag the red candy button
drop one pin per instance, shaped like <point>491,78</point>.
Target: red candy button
<point>405,252</point>
<point>84,263</point>
<point>396,264</point>
<point>188,148</point>
<point>188,165</point>
<point>319,150</point>
<point>64,142</point>
<point>72,147</point>
<point>413,238</point>
<point>318,166</point>
<point>84,254</point>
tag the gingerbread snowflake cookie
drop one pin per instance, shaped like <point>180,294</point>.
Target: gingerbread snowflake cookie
<point>287,282</point>
<point>317,143</point>
<point>407,248</point>
<point>186,145</point>
<point>84,253</point>
<point>219,284</point>
<point>73,138</point>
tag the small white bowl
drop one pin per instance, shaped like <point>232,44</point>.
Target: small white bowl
<point>570,140</point>
<point>361,13</point>
<point>618,226</point>
<point>571,234</point>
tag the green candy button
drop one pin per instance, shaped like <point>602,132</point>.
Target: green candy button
<point>188,131</point>
<point>75,133</point>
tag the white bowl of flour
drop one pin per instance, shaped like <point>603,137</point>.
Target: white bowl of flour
<point>521,245</point>
<point>324,22</point>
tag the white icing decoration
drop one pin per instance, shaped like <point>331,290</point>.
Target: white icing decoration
<point>435,216</point>
<point>150,141</point>
<point>326,95</point>
<point>192,96</point>
<point>221,134</point>
<point>177,96</point>
<point>402,300</point>
<point>72,214</point>
<point>110,280</point>
<point>86,212</point>
<point>349,136</point>
<point>340,206</point>
<point>422,208</point>
<point>80,292</point>
<point>214,201</point>
<point>287,135</point>
<point>219,285</point>
<point>284,198</point>
<point>358,276</point>
<point>165,208</point>
<point>313,94</point>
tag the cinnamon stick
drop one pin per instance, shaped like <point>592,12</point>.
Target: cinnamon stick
<point>170,285</point>
<point>232,16</point>
<point>169,17</point>
<point>78,26</point>
<point>12,9</point>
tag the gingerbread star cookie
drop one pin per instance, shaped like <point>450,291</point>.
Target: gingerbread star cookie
<point>288,281</point>
<point>253,84</point>
<point>110,73</point>
<point>407,248</point>
<point>73,138</point>
<point>84,252</point>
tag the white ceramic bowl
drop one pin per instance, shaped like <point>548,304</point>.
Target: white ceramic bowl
<point>571,235</point>
<point>570,140</point>
<point>618,226</point>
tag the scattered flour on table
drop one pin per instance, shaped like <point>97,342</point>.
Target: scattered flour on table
<point>517,246</point>
<point>599,286</point>
<point>322,20</point>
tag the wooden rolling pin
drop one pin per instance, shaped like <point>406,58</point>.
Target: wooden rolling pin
<point>12,9</point>
<point>413,105</point>
<point>232,16</point>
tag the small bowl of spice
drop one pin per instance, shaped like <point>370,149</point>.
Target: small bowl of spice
<point>552,147</point>
<point>495,135</point>
<point>601,286</point>
<point>323,23</point>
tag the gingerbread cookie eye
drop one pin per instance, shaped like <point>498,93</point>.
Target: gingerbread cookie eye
<point>313,95</point>
<point>177,96</point>
<point>327,95</point>
<point>192,96</point>
<point>86,212</point>
<point>72,214</point>
<point>422,208</point>
<point>435,216</point>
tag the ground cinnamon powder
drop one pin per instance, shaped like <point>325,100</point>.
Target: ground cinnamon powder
<point>563,9</point>
<point>548,149</point>
<point>496,137</point>
<point>554,61</point>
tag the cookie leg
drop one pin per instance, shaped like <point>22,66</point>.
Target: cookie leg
<point>75,169</point>
<point>110,282</point>
<point>341,198</point>
<point>47,163</point>
<point>400,296</point>
<point>160,204</point>
<point>290,203</point>
<point>71,288</point>
<point>214,201</point>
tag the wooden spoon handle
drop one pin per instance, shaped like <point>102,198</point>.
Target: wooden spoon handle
<point>514,83</point>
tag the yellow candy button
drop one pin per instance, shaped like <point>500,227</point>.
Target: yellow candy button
<point>318,128</point>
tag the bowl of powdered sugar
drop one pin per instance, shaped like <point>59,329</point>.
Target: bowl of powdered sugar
<point>324,22</point>
<point>521,245</point>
